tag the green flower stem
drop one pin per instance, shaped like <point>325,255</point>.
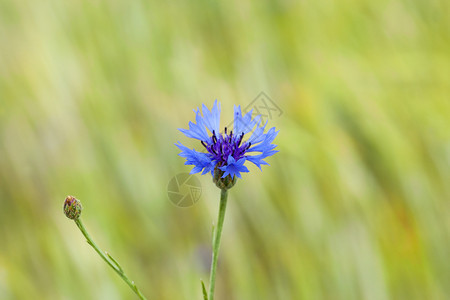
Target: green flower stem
<point>216,241</point>
<point>109,260</point>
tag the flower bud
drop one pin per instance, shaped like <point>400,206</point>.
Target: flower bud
<point>72,208</point>
<point>223,183</point>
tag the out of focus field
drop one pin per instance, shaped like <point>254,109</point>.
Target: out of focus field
<point>356,205</point>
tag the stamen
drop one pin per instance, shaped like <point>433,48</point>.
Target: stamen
<point>240,139</point>
<point>225,130</point>
<point>221,151</point>
<point>203,143</point>
<point>249,144</point>
<point>214,137</point>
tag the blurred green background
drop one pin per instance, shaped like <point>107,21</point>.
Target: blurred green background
<point>354,206</point>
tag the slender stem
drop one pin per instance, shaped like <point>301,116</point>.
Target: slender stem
<point>109,260</point>
<point>216,242</point>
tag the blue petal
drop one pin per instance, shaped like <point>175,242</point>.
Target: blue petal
<point>201,161</point>
<point>211,119</point>
<point>267,139</point>
<point>258,135</point>
<point>196,131</point>
<point>249,121</point>
<point>234,167</point>
<point>238,122</point>
<point>258,159</point>
<point>244,124</point>
<point>230,159</point>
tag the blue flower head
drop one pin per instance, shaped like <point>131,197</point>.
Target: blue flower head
<point>227,152</point>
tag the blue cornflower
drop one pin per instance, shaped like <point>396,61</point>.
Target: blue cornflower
<point>227,152</point>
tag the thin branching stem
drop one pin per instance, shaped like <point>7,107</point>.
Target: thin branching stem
<point>109,260</point>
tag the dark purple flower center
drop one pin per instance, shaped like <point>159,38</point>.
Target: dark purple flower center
<point>223,145</point>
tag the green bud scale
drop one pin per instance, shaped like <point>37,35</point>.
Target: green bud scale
<point>223,183</point>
